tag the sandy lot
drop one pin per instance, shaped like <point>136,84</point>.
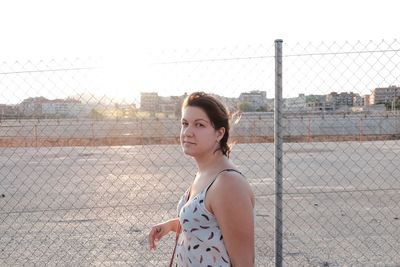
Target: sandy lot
<point>68,206</point>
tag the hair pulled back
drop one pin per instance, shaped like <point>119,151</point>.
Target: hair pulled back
<point>216,112</point>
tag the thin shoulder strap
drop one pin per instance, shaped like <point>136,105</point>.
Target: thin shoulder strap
<point>216,176</point>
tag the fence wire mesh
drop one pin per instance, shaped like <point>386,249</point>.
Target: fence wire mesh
<point>89,164</point>
<point>341,181</point>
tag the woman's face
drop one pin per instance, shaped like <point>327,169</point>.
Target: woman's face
<point>198,136</point>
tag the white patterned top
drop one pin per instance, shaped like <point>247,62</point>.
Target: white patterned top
<point>201,242</point>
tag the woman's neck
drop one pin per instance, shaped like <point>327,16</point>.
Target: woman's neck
<point>211,163</point>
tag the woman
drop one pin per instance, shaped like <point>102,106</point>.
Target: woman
<point>216,212</point>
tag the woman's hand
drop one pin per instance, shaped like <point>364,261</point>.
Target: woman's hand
<point>159,230</point>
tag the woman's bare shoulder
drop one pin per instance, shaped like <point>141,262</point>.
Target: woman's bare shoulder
<point>231,184</point>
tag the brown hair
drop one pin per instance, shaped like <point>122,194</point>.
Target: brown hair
<point>216,112</point>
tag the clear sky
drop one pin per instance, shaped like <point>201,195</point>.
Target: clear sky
<point>126,31</point>
<point>69,28</point>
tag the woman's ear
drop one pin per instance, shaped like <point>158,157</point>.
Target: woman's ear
<point>220,133</point>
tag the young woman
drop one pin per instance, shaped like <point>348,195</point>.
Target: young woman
<point>215,215</point>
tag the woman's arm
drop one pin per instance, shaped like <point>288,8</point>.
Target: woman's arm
<point>231,200</point>
<point>160,230</point>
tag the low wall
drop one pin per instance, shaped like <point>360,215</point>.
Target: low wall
<point>252,128</point>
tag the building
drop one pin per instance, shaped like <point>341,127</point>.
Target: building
<point>32,106</point>
<point>340,100</point>
<point>367,100</point>
<point>385,95</point>
<point>169,104</point>
<point>8,111</point>
<point>232,103</point>
<point>68,108</point>
<point>270,104</point>
<point>295,104</point>
<point>41,107</point>
<point>149,102</point>
<point>316,102</point>
<point>153,103</point>
<point>255,100</point>
<point>358,101</point>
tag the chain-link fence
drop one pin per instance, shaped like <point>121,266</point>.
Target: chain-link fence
<point>341,192</point>
<point>88,165</point>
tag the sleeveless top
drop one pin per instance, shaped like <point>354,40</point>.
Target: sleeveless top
<point>201,242</point>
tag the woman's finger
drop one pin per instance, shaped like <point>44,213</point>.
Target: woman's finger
<point>154,236</point>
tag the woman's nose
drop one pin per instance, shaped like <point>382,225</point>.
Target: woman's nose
<point>188,131</point>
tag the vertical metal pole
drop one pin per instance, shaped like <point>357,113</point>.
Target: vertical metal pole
<point>278,141</point>
<point>36,135</point>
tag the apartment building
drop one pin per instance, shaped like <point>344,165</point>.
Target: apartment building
<point>256,99</point>
<point>149,102</point>
<point>384,95</point>
<point>340,100</point>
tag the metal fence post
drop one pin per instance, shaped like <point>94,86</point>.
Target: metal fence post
<point>278,153</point>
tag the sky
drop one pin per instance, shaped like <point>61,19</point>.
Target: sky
<point>80,28</point>
<point>124,33</point>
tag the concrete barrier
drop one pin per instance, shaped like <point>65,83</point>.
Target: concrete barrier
<point>252,128</point>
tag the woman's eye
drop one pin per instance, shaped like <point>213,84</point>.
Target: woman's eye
<point>184,123</point>
<point>199,125</point>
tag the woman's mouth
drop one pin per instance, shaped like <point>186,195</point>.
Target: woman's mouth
<point>188,143</point>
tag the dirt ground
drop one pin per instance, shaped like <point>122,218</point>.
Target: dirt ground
<point>93,206</point>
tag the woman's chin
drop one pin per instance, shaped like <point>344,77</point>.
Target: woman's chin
<point>188,152</point>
